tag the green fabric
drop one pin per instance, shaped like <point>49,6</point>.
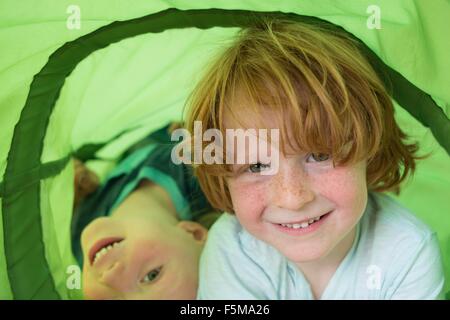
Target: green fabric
<point>5,290</point>
<point>426,193</point>
<point>61,263</point>
<point>85,95</point>
<point>42,172</point>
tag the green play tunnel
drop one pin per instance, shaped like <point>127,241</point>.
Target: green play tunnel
<point>79,75</point>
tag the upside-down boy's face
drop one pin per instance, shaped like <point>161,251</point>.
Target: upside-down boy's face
<point>148,258</point>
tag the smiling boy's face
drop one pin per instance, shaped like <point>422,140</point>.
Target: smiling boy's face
<point>151,257</point>
<point>307,209</point>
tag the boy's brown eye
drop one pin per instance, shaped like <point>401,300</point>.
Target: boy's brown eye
<point>257,167</point>
<point>319,157</point>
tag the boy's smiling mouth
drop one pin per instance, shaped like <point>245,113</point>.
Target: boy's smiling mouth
<point>102,248</point>
<point>304,226</point>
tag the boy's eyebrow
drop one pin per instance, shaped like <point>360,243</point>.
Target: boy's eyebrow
<point>238,169</point>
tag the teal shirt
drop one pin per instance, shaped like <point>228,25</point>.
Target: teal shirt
<point>394,256</point>
<point>151,173</point>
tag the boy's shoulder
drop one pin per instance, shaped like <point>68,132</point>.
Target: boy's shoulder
<point>403,247</point>
<point>228,233</point>
<point>226,224</point>
<point>392,233</point>
<point>391,217</point>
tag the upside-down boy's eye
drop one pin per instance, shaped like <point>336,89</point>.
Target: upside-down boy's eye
<point>152,275</point>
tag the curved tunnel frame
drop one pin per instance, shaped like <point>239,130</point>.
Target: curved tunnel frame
<point>20,189</point>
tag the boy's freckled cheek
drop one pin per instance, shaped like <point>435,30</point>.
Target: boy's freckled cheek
<point>247,197</point>
<point>342,183</point>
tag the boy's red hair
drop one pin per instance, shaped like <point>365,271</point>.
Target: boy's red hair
<point>317,87</point>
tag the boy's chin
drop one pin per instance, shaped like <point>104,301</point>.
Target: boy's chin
<point>303,255</point>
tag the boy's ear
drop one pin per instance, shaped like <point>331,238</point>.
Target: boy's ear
<point>198,231</point>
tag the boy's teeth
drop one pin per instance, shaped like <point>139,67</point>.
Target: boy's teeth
<point>300,225</point>
<point>104,250</point>
<point>304,224</point>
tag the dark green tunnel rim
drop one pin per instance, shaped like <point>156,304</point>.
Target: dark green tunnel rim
<point>28,270</point>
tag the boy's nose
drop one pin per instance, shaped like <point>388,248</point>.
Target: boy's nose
<point>119,278</point>
<point>290,190</point>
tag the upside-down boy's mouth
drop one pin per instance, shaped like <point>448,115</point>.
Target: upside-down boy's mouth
<point>102,247</point>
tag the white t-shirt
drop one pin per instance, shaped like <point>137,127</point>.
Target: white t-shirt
<point>394,256</point>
